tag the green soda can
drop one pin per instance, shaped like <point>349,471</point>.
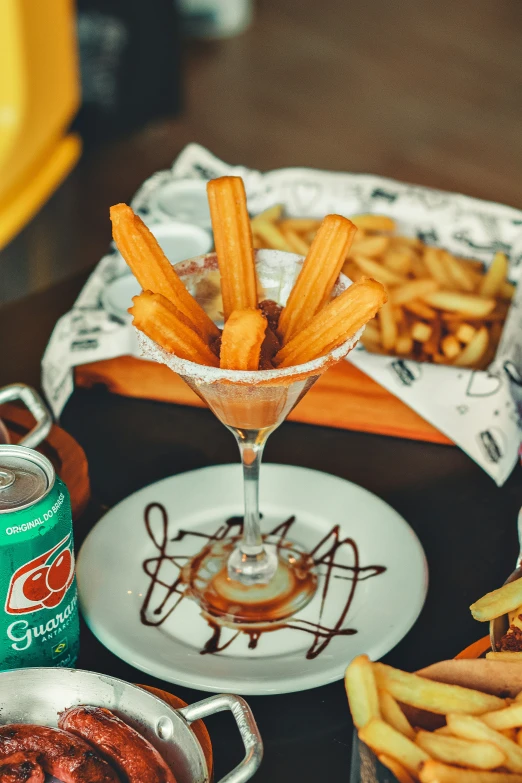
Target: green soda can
<point>39,623</point>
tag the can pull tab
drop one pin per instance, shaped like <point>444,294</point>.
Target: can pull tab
<point>35,404</point>
<point>7,478</point>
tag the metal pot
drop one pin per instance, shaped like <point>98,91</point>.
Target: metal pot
<point>35,404</point>
<point>38,695</point>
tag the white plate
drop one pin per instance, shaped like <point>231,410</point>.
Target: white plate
<point>113,583</point>
<point>178,241</point>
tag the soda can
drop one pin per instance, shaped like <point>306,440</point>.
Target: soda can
<point>39,622</point>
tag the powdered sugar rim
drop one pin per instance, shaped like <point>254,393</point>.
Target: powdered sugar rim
<point>200,373</point>
<point>203,374</point>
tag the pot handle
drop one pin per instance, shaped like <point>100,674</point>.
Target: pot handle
<point>36,406</point>
<point>245,723</point>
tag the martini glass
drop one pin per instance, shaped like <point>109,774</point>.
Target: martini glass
<point>248,578</point>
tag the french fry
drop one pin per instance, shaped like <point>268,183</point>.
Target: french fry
<point>389,331</point>
<point>334,324</point>
<point>444,730</point>
<point>507,290</point>
<point>370,246</point>
<point>404,345</point>
<point>450,347</point>
<point>233,240</point>
<point>300,225</point>
<point>433,259</point>
<point>393,715</point>
<point>374,222</point>
<point>295,242</point>
<point>361,690</point>
<point>152,269</point>
<point>498,602</point>
<point>413,290</point>
<point>268,215</point>
<point>318,274</point>
<point>460,276</point>
<point>472,728</point>
<point>465,333</point>
<point>414,242</point>
<point>431,346</point>
<point>385,740</point>
<point>437,697</point>
<point>463,753</point>
<point>436,772</point>
<point>495,275</point>
<point>421,332</point>
<point>418,267</point>
<point>420,309</point>
<point>371,345</point>
<point>242,339</point>
<point>398,260</point>
<point>402,774</point>
<point>508,718</point>
<point>507,655</point>
<point>160,320</point>
<point>400,317</point>
<point>378,271</point>
<point>465,304</point>
<point>472,264</point>
<point>372,330</point>
<point>271,236</point>
<point>474,350</point>
<point>509,733</point>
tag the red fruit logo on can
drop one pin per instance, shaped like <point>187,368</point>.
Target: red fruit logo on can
<point>42,582</point>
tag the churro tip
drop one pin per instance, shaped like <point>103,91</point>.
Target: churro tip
<point>119,209</point>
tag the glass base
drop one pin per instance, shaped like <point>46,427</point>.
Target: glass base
<point>253,569</point>
<point>232,603</point>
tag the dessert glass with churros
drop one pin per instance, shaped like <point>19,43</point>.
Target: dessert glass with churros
<point>285,321</point>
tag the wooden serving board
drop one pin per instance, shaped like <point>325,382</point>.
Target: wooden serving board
<point>198,727</point>
<point>67,457</point>
<point>343,397</point>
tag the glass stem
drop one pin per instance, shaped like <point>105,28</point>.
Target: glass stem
<point>251,445</point>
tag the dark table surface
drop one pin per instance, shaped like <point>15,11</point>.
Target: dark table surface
<point>424,92</point>
<point>465,523</point>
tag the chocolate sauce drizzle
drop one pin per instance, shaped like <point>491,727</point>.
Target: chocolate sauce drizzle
<point>175,589</point>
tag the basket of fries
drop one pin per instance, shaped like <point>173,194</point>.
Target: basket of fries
<point>442,308</point>
<point>455,722</point>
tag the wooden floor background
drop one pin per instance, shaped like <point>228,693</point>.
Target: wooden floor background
<point>426,92</point>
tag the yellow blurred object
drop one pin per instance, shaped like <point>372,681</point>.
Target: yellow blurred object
<point>39,95</point>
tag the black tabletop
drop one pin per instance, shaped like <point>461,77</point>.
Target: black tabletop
<point>466,524</point>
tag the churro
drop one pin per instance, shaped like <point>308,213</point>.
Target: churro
<point>242,339</point>
<point>234,245</point>
<point>337,322</point>
<point>319,272</point>
<point>160,320</point>
<point>152,269</point>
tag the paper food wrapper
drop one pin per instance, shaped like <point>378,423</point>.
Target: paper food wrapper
<point>500,679</point>
<point>474,409</point>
